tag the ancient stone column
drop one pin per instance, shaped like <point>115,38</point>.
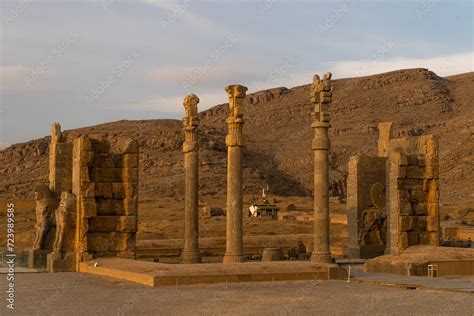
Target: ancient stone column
<point>191,252</point>
<point>321,96</point>
<point>234,141</point>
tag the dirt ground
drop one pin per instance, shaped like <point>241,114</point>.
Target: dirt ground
<point>80,294</point>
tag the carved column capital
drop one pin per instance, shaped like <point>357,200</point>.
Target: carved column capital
<point>190,123</point>
<point>235,121</point>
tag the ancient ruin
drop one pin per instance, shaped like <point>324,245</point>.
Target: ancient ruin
<point>234,141</point>
<point>95,189</point>
<point>321,97</point>
<point>393,199</point>
<point>191,252</point>
<point>105,183</point>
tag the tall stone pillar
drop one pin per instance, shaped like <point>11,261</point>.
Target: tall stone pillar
<point>234,142</point>
<point>321,96</point>
<point>191,252</point>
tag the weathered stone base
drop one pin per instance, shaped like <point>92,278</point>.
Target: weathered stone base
<point>161,274</point>
<point>233,258</point>
<point>191,257</point>
<point>58,263</point>
<point>37,259</point>
<point>415,261</point>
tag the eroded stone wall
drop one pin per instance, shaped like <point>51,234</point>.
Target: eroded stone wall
<point>105,182</point>
<point>365,172</point>
<point>413,192</point>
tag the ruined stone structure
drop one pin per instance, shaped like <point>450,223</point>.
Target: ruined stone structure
<point>45,205</point>
<point>234,142</point>
<point>393,199</point>
<point>60,162</point>
<point>366,217</point>
<point>105,183</point>
<point>321,97</point>
<point>44,228</point>
<point>191,252</point>
<point>412,191</point>
<point>97,212</point>
<point>63,256</point>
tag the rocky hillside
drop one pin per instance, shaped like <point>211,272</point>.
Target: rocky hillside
<point>278,135</point>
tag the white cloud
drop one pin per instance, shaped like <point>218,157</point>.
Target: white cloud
<point>12,77</point>
<point>174,104</point>
<point>181,10</point>
<point>187,77</point>
<point>442,65</point>
<point>18,78</point>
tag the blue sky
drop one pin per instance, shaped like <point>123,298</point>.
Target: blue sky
<point>86,62</point>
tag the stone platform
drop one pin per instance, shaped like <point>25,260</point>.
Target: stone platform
<point>415,260</point>
<point>161,274</point>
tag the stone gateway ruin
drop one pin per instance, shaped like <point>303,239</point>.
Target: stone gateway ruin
<point>90,208</point>
<point>393,199</point>
<point>89,211</point>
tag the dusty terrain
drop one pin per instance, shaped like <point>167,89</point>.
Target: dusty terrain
<point>79,294</point>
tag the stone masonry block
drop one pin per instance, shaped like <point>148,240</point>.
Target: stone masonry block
<point>398,158</point>
<point>415,172</point>
<point>130,175</point>
<point>433,197</point>
<point>130,160</point>
<point>103,224</point>
<point>88,189</point>
<point>407,223</point>
<point>432,168</point>
<point>403,196</point>
<point>103,242</point>
<point>424,238</point>
<point>104,207</point>
<point>111,242</point>
<point>402,240</point>
<point>88,207</point>
<point>434,238</point>
<point>127,224</point>
<point>104,190</point>
<point>420,209</point>
<point>433,209</point>
<point>107,175</point>
<point>420,223</point>
<point>128,146</point>
<point>131,206</point>
<point>83,142</point>
<point>421,161</point>
<point>118,190</point>
<point>131,190</point>
<point>87,158</point>
<point>412,160</point>
<point>84,174</point>
<point>118,206</point>
<point>405,209</point>
<point>410,184</point>
<point>100,146</point>
<point>430,185</point>
<point>413,238</point>
<point>432,224</point>
<point>418,196</point>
